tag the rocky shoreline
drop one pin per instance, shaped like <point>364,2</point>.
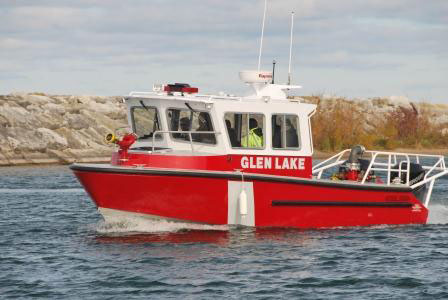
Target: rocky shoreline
<point>53,129</point>
<point>37,128</point>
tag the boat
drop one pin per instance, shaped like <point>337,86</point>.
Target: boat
<point>191,158</point>
<point>230,160</point>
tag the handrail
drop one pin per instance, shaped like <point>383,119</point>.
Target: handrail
<point>389,169</point>
<point>434,167</point>
<point>424,181</point>
<point>208,97</point>
<point>219,97</point>
<point>176,131</point>
<point>338,156</point>
<point>393,159</point>
<point>136,93</point>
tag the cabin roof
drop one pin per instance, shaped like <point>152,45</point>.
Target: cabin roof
<point>207,99</point>
<point>210,99</point>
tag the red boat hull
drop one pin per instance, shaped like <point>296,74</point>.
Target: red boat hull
<point>204,197</point>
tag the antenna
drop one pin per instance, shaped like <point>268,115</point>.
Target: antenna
<point>290,49</point>
<point>262,33</point>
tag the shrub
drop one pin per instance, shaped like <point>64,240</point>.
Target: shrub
<point>341,124</point>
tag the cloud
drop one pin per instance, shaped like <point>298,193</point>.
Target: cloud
<point>111,47</point>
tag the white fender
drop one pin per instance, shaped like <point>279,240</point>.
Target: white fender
<point>241,205</point>
<point>243,202</point>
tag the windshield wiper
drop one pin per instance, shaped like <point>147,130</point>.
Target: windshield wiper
<point>196,113</point>
<point>144,106</point>
<point>156,121</point>
<point>189,107</point>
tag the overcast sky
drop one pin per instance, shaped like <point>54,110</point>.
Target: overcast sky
<point>351,48</point>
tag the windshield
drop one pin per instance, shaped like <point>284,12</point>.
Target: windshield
<point>188,120</point>
<point>145,121</point>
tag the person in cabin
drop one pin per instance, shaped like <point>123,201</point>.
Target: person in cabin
<point>291,135</point>
<point>255,137</point>
<point>232,134</point>
<point>184,126</point>
<point>205,124</point>
<point>276,132</point>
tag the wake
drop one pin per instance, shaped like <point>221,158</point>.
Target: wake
<point>438,214</point>
<point>141,225</point>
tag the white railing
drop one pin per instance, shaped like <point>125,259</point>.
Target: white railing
<point>159,132</point>
<point>204,96</point>
<point>218,97</point>
<point>141,94</point>
<point>333,161</point>
<point>387,162</point>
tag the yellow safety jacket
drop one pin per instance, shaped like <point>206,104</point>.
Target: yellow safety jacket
<point>252,140</point>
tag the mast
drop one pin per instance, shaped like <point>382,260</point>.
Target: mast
<point>262,33</point>
<point>290,49</point>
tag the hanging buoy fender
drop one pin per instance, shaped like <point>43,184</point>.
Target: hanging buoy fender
<point>242,199</point>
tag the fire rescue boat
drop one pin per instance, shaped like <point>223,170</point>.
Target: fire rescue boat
<point>248,161</point>
<point>221,159</point>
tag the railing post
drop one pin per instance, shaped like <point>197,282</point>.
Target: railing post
<point>439,162</point>
<point>368,169</point>
<point>389,162</point>
<point>191,142</point>
<point>408,175</point>
<point>399,168</point>
<point>153,136</point>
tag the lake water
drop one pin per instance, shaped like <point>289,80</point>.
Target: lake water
<point>53,244</point>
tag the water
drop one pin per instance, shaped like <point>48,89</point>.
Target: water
<point>53,244</point>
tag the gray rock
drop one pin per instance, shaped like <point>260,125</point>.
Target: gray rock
<point>48,120</point>
<point>40,128</point>
<point>54,108</point>
<point>22,139</point>
<point>53,139</point>
<point>16,115</point>
<point>76,121</point>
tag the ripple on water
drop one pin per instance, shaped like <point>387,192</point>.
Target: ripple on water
<point>438,213</point>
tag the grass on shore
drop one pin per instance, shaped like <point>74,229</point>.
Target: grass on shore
<point>343,125</point>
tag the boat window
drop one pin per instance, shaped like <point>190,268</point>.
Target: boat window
<point>145,121</point>
<point>245,130</point>
<point>188,120</point>
<point>285,131</point>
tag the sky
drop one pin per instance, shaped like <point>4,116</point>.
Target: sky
<point>347,48</point>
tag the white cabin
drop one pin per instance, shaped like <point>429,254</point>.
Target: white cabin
<point>167,120</point>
